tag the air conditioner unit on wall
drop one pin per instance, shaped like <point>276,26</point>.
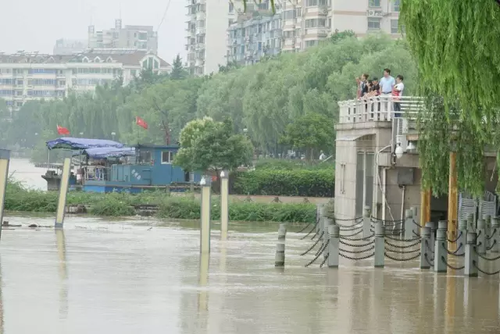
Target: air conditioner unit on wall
<point>374,13</point>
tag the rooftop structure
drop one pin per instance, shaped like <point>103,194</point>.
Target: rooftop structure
<point>142,38</point>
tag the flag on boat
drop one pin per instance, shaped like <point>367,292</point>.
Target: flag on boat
<point>62,130</point>
<point>142,123</point>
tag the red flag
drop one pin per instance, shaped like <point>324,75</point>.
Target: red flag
<point>142,123</point>
<point>62,131</point>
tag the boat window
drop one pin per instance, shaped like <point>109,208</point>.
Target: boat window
<point>145,157</point>
<point>167,157</point>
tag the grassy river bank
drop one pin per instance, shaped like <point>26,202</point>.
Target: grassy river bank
<point>174,207</point>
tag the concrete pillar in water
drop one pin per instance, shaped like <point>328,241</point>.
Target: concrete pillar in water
<point>416,220</point>
<point>487,229</point>
<point>367,222</point>
<point>319,225</point>
<point>432,227</point>
<point>205,223</point>
<point>224,204</point>
<point>333,246</point>
<point>424,248</point>
<point>495,225</point>
<point>328,222</point>
<point>408,224</point>
<point>462,232</point>
<point>441,255</point>
<point>4,173</point>
<point>471,226</point>
<point>63,193</point>
<point>471,257</point>
<point>481,237</point>
<point>279,258</point>
<point>379,245</point>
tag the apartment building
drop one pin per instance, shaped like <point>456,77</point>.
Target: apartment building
<point>306,22</point>
<point>206,40</point>
<point>33,76</point>
<point>253,39</point>
<point>69,46</point>
<point>142,38</point>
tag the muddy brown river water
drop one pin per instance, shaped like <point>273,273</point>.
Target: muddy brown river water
<point>145,276</point>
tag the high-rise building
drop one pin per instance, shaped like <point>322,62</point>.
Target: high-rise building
<point>253,39</point>
<point>32,76</point>
<point>207,24</point>
<point>306,22</point>
<point>142,38</point>
<point>69,46</point>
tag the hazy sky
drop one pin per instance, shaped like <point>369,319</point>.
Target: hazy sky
<point>34,25</point>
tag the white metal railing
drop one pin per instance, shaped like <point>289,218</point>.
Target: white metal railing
<point>379,108</point>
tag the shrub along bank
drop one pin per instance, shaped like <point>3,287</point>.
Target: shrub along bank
<point>121,204</point>
<point>280,182</point>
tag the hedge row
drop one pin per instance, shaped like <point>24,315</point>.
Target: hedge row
<point>121,204</point>
<point>300,182</point>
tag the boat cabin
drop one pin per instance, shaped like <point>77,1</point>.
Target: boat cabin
<point>143,167</point>
<point>107,166</point>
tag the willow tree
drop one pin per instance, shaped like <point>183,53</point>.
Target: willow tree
<point>455,45</point>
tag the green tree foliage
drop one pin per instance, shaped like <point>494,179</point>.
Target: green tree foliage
<point>178,70</point>
<point>261,100</point>
<point>312,132</point>
<point>458,74</point>
<point>210,145</point>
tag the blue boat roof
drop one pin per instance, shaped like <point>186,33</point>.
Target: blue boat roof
<point>109,152</point>
<point>81,143</point>
<point>160,147</point>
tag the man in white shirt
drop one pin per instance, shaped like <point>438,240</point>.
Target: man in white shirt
<point>387,83</point>
<point>398,92</point>
<point>386,86</point>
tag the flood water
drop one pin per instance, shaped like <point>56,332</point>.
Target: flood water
<point>145,276</point>
<point>136,276</point>
<point>24,171</point>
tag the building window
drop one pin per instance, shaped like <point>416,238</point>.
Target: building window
<point>374,3</point>
<point>373,23</point>
<point>231,7</point>
<point>167,157</point>
<point>311,43</point>
<point>314,23</point>
<point>396,6</point>
<point>310,3</point>
<point>394,26</point>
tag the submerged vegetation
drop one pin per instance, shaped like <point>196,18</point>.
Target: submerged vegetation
<point>169,207</point>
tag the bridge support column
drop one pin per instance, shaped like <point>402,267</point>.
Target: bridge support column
<point>4,174</point>
<point>224,204</point>
<point>63,192</point>
<point>441,255</point>
<point>206,204</point>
